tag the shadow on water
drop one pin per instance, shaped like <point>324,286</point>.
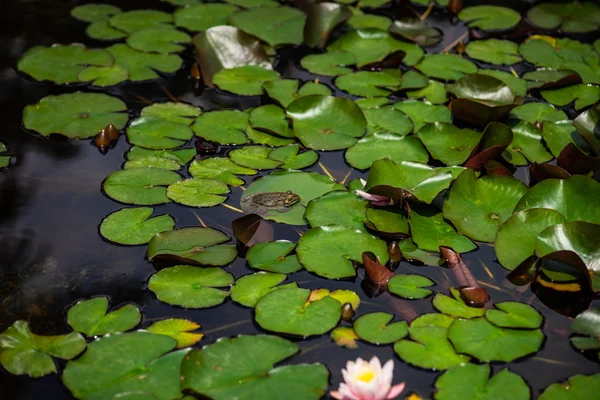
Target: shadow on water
<point>51,205</point>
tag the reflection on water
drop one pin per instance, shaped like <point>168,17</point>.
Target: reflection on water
<point>52,254</point>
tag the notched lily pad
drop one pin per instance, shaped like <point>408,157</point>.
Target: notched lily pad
<point>274,257</point>
<point>410,286</point>
<point>246,81</point>
<point>376,328</point>
<point>490,18</point>
<point>198,192</point>
<point>178,329</point>
<point>140,186</point>
<point>92,317</point>
<point>158,40</point>
<point>274,25</point>
<point>249,289</point>
<point>133,226</point>
<point>331,63</point>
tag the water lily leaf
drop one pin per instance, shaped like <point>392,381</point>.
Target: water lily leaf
<point>331,63</point>
<point>526,145</point>
<point>385,146</point>
<point>574,17</point>
<point>430,231</point>
<point>481,339</point>
<point>132,21</point>
<point>246,80</point>
<point>182,156</point>
<point>512,314</point>
<point>242,367</point>
<point>559,134</point>
<point>132,226</point>
<point>270,118</point>
<point>411,252</point>
<point>307,185</point>
<point>545,78</point>
<point>158,134</point>
<point>416,30</point>
<point>364,21</point>
<point>191,287</point>
<point>490,18</point>
<point>583,95</point>
<point>425,3</point>
<point>61,64</point>
<point>256,157</point>
<point>388,222</point>
<point>372,3</point>
<point>326,122</point>
<point>341,295</point>
<point>447,143</point>
<point>477,207</point>
<point>422,113</point>
<point>94,12</point>
<point>198,192</point>
<point>103,76</point>
<point>494,51</point>
<point>446,66</point>
<point>387,119</point>
<point>538,112</point>
<point>376,328</point>
<point>410,286</point>
<point>586,124</point>
<point>143,66</point>
<point>158,40</point>
<point>103,30</point>
<point>141,186</point>
<point>274,25</point>
<point>249,289</point>
<point>374,45</point>
<point>368,83</point>
<point>25,353</point>
<point>75,115</point>
<point>226,47</point>
<point>434,92</point>
<point>344,336</point>
<point>192,246</point>
<point>261,137</point>
<point>413,80</point>
<point>223,126</point>
<point>291,157</point>
<point>567,196</point>
<point>153,370</point>
<point>200,17</point>
<point>328,251</point>
<point>503,385</point>
<point>287,311</point>
<point>274,257</point>
<point>92,317</point>
<point>337,208</point>
<point>483,88</point>
<point>455,306</point>
<point>372,102</point>
<point>578,387</point>
<point>515,241</point>
<point>586,323</point>
<point>391,179</point>
<point>578,236</point>
<point>284,91</point>
<point>220,169</point>
<point>322,18</point>
<point>178,329</point>
<point>517,85</point>
<point>181,113</point>
<point>252,3</point>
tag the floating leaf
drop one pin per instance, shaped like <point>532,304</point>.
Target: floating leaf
<point>344,336</point>
<point>132,21</point>
<point>447,143</point>
<point>446,66</point>
<point>178,329</point>
<point>102,30</point>
<point>578,387</point>
<point>254,157</point>
<point>455,306</point>
<point>583,95</point>
<point>274,257</point>
<point>494,51</point>
<point>249,289</point>
<point>538,112</point>
<point>490,17</point>
<point>270,118</point>
<point>182,156</point>
<point>376,328</point>
<point>512,314</point>
<point>387,120</point>
<point>223,126</point>
<point>200,17</point>
<point>586,123</point>
<point>274,25</point>
<point>246,80</point>
<point>413,80</point>
<point>253,3</point>
<point>434,92</point>
<point>411,252</point>
<point>322,18</point>
<point>174,112</point>
<point>158,40</point>
<point>191,287</point>
<point>526,145</point>
<point>291,157</point>
<point>337,208</point>
<point>220,169</point>
<point>422,113</point>
<point>25,353</point>
<point>143,66</point>
<point>517,85</point>
<point>365,21</point>
<point>104,76</point>
<point>153,162</point>
<point>416,30</point>
<point>92,317</point>
<point>368,83</point>
<point>132,226</point>
<point>388,222</point>
<point>549,78</point>
<point>410,286</point>
<point>261,137</point>
<point>158,134</point>
<point>385,146</point>
<point>331,63</point>
<point>574,17</point>
<point>94,12</point>
<point>284,91</point>
<point>198,192</point>
<point>140,186</point>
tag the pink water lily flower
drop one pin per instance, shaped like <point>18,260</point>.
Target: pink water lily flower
<point>368,381</point>
<point>375,199</point>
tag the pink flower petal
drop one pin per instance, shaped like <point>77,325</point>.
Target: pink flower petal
<point>395,391</point>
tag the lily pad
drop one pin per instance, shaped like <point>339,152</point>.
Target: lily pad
<point>413,80</point>
<point>364,21</point>
<point>246,81</point>
<point>142,66</point>
<point>578,236</point>
<point>385,146</point>
<point>291,157</point>
<point>322,18</point>
<point>220,169</point>
<point>178,329</point>
<point>447,143</point>
<point>494,51</point>
<point>262,137</point>
<point>416,30</point>
<point>368,83</point>
<point>331,63</point>
<point>274,257</point>
<point>157,133</point>
<point>200,17</point>
<point>94,12</point>
<point>574,17</point>
<point>517,85</point>
<point>526,145</point>
<point>140,186</point>
<point>153,162</point>
<point>198,192</point>
<point>538,112</point>
<point>490,18</point>
<point>103,76</point>
<point>271,119</point>
<point>274,25</point>
<point>191,287</point>
<point>410,286</point>
<point>223,126</point>
<point>586,123</point>
<point>193,246</point>
<point>512,314</point>
<point>583,95</point>
<point>411,252</point>
<point>287,311</point>
<point>422,113</point>
<point>434,92</point>
<point>25,353</point>
<point>477,207</point>
<point>388,222</point>
<point>158,40</point>
<point>249,289</point>
<point>92,317</point>
<point>285,91</point>
<point>455,306</point>
<point>75,115</point>
<point>376,328</point>
<point>446,66</point>
<point>182,156</point>
<point>252,3</point>
<point>102,30</point>
<point>132,226</point>
<point>337,208</point>
<point>256,157</point>
<point>132,21</point>
<point>328,251</point>
<point>578,387</point>
<point>387,120</point>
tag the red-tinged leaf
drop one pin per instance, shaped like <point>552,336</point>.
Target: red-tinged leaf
<point>474,296</point>
<point>525,273</point>
<point>470,290</point>
<point>478,113</point>
<point>569,80</point>
<point>496,138</point>
<point>540,172</point>
<point>576,162</point>
<point>455,6</point>
<point>377,273</point>
<point>392,61</point>
<point>251,229</point>
<point>493,167</point>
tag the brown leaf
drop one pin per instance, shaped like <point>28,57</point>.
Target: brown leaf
<point>474,296</point>
<point>251,229</point>
<point>495,139</point>
<point>525,273</point>
<point>493,167</point>
<point>576,162</point>
<point>455,6</point>
<point>540,172</point>
<point>377,273</point>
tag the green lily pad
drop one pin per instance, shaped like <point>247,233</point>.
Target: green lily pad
<point>481,339</point>
<point>191,287</point>
<point>447,143</point>
<point>411,252</point>
<point>430,231</point>
<point>321,21</point>
<point>182,156</point>
<point>326,122</point>
<point>92,317</point>
<point>220,169</point>
<point>490,18</point>
<point>477,207</point>
<point>256,157</point>
<point>364,21</point>
<point>455,306</point>
<point>416,30</point>
<point>538,112</point>
<point>504,385</point>
<point>140,186</point>
<point>388,222</point>
<point>158,40</point>
<point>482,88</point>
<point>242,368</point>
<point>376,328</point>
<point>274,257</point>
<point>143,66</point>
<point>75,115</point>
<point>578,236</point>
<point>158,134</point>
<point>559,134</point>
<point>249,289</point>
<point>274,25</point>
<point>61,64</point>
<point>544,76</point>
<point>413,80</point>
<point>108,369</point>
<point>515,241</point>
<point>337,208</point>
<point>446,66</point>
<point>103,76</point>
<point>494,51</point>
<point>517,85</point>
<point>181,113</point>
<point>25,353</point>
<point>246,80</point>
<point>132,21</point>
<point>512,314</point>
<point>583,95</point>
<point>385,146</point>
<point>331,63</point>
<point>200,17</point>
<point>387,120</point>
<point>410,286</point>
<point>178,329</point>
<point>192,246</point>
<point>285,91</point>
<point>198,192</point>
<point>132,226</point>
<point>271,119</point>
<point>422,113</point>
<point>586,123</point>
<point>153,162</point>
<point>434,92</point>
<point>575,17</point>
<point>223,126</point>
<point>262,137</point>
<point>587,324</point>
<point>253,3</point>
<point>287,311</point>
<point>526,145</point>
<point>102,30</point>
<point>328,251</point>
<point>291,157</point>
<point>368,83</point>
<point>94,12</point>
<point>578,387</point>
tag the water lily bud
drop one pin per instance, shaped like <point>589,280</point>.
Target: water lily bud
<point>102,140</point>
<point>111,132</point>
<point>347,312</point>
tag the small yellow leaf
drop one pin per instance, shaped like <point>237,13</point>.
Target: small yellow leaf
<point>346,296</point>
<point>344,337</point>
<point>548,39</point>
<point>318,294</point>
<point>179,329</point>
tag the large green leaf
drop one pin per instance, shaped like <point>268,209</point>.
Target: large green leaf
<point>410,286</point>
<point>247,80</point>
<point>200,17</point>
<point>494,51</point>
<point>220,169</point>
<point>578,387</point>
<point>337,208</point>
<point>517,85</point>
<point>94,12</point>
<point>422,113</point>
<point>389,146</point>
<point>538,112</point>
<point>274,25</point>
<point>223,126</point>
<point>134,226</point>
<point>292,158</point>
<point>132,21</point>
<point>369,83</point>
<point>273,257</point>
<point>446,66</point>
<point>387,120</point>
<point>574,17</point>
<point>142,66</point>
<point>376,328</point>
<point>158,40</point>
<point>447,143</point>
<point>249,289</point>
<point>284,91</point>
<point>512,314</point>
<point>434,93</point>
<point>331,63</point>
<point>92,317</point>
<point>455,306</point>
<point>490,17</point>
<point>158,134</point>
<point>198,192</point>
<point>140,186</point>
<point>526,145</point>
<point>583,95</point>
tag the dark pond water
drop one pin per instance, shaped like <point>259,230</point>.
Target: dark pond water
<point>52,255</point>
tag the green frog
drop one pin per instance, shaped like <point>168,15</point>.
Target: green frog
<point>261,203</point>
